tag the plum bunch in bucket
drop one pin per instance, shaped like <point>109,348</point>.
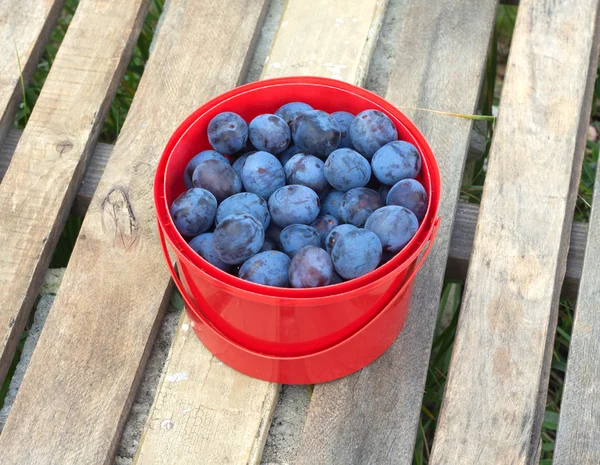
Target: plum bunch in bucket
<point>301,198</point>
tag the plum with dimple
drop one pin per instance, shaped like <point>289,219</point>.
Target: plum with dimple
<point>227,132</point>
<point>193,212</point>
<point>310,267</point>
<point>217,177</point>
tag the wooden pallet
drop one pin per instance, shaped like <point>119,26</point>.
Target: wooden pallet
<point>513,250</point>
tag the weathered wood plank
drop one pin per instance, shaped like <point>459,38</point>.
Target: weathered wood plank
<point>24,29</point>
<point>336,42</point>
<point>199,393</point>
<point>49,162</point>
<point>579,423</point>
<point>231,436</point>
<point>372,416</point>
<point>496,390</point>
<point>109,307</point>
<point>463,235</point>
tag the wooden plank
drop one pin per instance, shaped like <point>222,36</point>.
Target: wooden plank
<point>339,45</point>
<point>579,425</point>
<point>232,433</point>
<point>496,389</point>
<point>198,393</point>
<point>371,416</point>
<point>49,162</point>
<point>114,292</point>
<point>24,29</point>
<point>463,235</point>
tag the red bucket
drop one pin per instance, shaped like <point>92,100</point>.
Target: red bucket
<point>241,321</point>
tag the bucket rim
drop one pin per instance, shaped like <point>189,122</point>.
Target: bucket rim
<point>224,280</point>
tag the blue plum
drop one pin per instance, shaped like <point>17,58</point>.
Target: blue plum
<point>269,133</point>
<point>288,153</point>
<point>217,177</point>
<point>346,169</point>
<point>370,130</point>
<point>269,268</point>
<point>384,190</point>
<point>356,253</point>
<point>238,165</point>
<point>316,132</point>
<point>411,194</point>
<point>396,161</point>
<point>310,267</point>
<point>194,162</point>
<point>290,111</point>
<point>344,120</point>
<point>336,233</point>
<point>203,246</point>
<point>394,226</point>
<point>306,170</point>
<point>331,203</point>
<point>336,278</point>
<point>262,174</point>
<point>324,224</point>
<point>358,204</point>
<point>227,132</point>
<point>245,202</point>
<point>193,212</point>
<point>237,237</point>
<point>296,236</point>
<point>294,205</point>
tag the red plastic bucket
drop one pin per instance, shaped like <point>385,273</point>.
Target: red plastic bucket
<point>288,322</point>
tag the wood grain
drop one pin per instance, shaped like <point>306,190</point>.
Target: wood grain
<point>112,297</point>
<point>332,39</point>
<point>496,389</point>
<point>236,426</point>
<point>371,416</point>
<point>49,162</point>
<point>24,29</point>
<point>463,235</point>
<point>204,411</point>
<point>579,423</point>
